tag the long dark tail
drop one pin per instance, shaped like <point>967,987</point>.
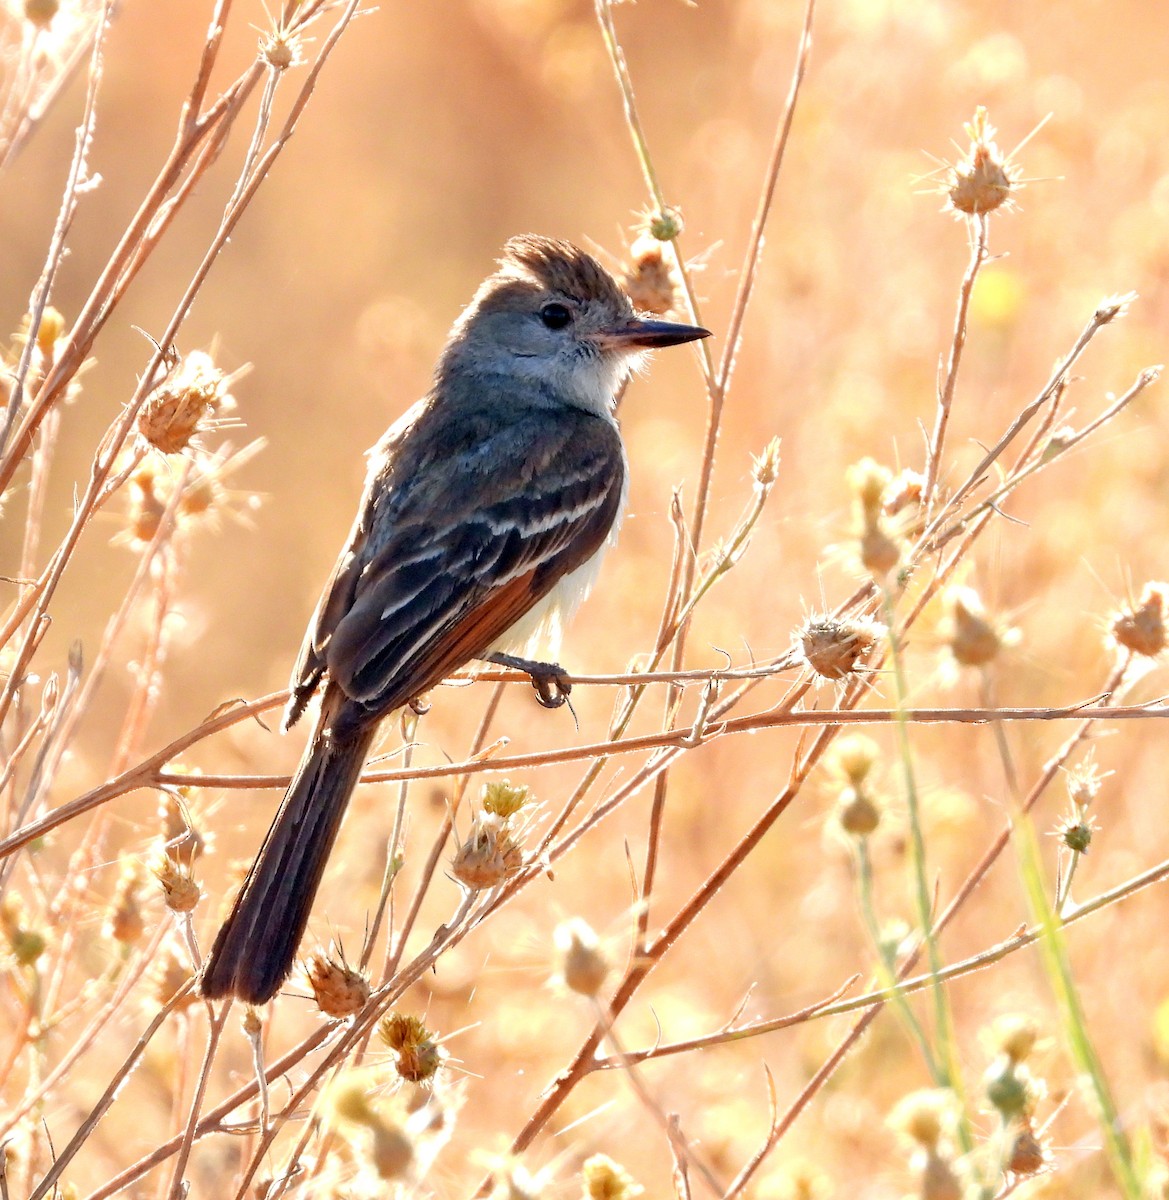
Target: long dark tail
<point>256,947</point>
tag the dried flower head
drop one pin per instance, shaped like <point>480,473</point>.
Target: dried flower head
<point>970,634</point>
<point>183,404</point>
<point>1014,1035</point>
<point>925,1116</point>
<point>834,647</point>
<point>338,989</point>
<point>1141,627</point>
<point>648,279</point>
<point>148,495</point>
<point>281,47</point>
<point>1028,1155</point>
<point>489,855</point>
<point>390,1148</point>
<point>124,921</point>
<point>418,1055</point>
<point>604,1179</point>
<point>180,892</point>
<point>854,755</point>
<point>582,964</point>
<point>858,812</point>
<point>880,551</point>
<point>1084,780</point>
<point>985,178</point>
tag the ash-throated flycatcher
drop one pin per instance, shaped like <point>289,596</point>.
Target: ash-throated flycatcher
<point>485,512</point>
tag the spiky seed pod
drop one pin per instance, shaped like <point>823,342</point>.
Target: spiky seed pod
<point>984,179</point>
<point>488,856</point>
<point>338,989</point>
<point>834,647</point>
<point>418,1054</point>
<point>924,1116</point>
<point>902,491</point>
<point>765,466</point>
<point>649,280</point>
<point>180,892</point>
<point>1141,627</point>
<point>1010,1088</point>
<point>182,404</point>
<point>1076,834</point>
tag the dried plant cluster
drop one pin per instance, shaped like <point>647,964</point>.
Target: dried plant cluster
<point>582,937</point>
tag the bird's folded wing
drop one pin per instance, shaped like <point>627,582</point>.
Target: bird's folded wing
<point>464,554</point>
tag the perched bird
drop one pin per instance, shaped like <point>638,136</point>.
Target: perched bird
<point>485,512</point>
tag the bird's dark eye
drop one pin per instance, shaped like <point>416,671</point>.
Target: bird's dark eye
<point>555,316</point>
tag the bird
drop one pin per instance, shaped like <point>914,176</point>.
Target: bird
<point>486,511</point>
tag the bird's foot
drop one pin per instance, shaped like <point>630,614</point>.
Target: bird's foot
<point>549,680</point>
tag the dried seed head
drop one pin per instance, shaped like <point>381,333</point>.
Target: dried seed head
<point>868,480</point>
<point>854,756</point>
<point>338,989</point>
<point>180,892</point>
<point>26,943</point>
<point>251,1023</point>
<point>1014,1035</point>
<point>49,332</point>
<point>984,179</point>
<point>281,48</point>
<point>511,1180</point>
<point>419,1056</point>
<point>649,279</point>
<point>880,552</point>
<point>390,1147</point>
<point>924,1116</point>
<point>970,635</point>
<point>765,467</point>
<point>489,855</point>
<point>1112,307</point>
<point>147,503</point>
<point>1141,627</point>
<point>183,403</point>
<point>504,799</point>
<point>1028,1155</point>
<point>582,961</point>
<point>124,922</point>
<point>859,813</point>
<point>604,1179</point>
<point>834,647</point>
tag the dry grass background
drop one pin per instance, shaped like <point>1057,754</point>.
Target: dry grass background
<point>435,132</point>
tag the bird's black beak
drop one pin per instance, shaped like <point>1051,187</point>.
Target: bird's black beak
<point>639,333</point>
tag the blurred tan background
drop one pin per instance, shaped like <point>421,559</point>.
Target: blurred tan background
<point>438,131</point>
